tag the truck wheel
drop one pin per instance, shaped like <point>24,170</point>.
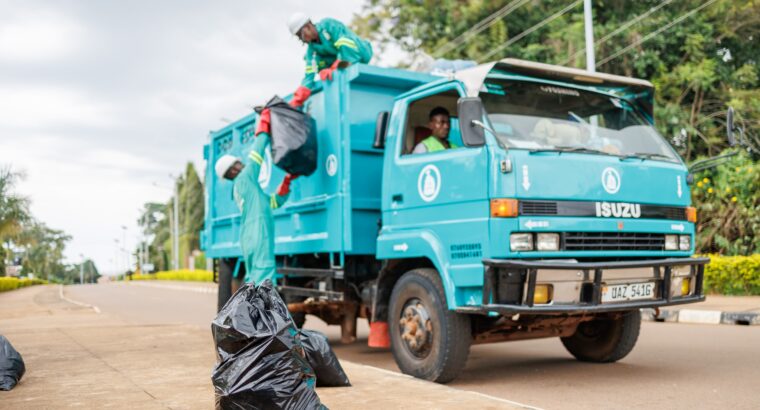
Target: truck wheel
<point>428,340</point>
<point>604,340</point>
<point>225,284</point>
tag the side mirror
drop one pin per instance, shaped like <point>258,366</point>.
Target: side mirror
<point>470,111</point>
<point>730,127</point>
<point>381,127</point>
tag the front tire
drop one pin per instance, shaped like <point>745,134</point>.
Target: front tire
<point>604,340</point>
<point>428,341</point>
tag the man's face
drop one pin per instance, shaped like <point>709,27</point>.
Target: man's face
<point>308,33</point>
<point>440,125</point>
<point>234,170</point>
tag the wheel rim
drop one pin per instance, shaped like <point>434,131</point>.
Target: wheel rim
<point>416,329</point>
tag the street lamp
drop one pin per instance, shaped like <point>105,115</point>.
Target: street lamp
<point>81,269</point>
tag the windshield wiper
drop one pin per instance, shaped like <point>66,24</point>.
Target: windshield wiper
<point>645,155</point>
<point>562,148</point>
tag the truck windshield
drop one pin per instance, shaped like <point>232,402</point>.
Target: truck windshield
<point>543,117</point>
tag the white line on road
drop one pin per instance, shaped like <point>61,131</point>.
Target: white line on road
<point>197,289</point>
<point>87,305</point>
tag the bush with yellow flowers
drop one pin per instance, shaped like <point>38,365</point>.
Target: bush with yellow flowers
<point>728,207</point>
<point>181,275</point>
<point>733,275</point>
<point>11,283</point>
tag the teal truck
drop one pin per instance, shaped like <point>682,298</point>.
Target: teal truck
<point>561,213</point>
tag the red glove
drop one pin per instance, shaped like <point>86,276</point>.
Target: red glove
<point>299,97</point>
<point>327,73</point>
<point>284,187</point>
<point>264,122</point>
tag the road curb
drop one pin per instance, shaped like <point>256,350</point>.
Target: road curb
<point>707,317</point>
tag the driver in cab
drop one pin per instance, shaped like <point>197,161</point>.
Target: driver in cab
<point>440,125</point>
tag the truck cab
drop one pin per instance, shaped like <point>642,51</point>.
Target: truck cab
<point>559,212</point>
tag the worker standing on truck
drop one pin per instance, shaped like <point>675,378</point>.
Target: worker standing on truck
<point>440,125</point>
<point>257,222</point>
<point>331,45</point>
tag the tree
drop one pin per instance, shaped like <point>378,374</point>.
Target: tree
<point>14,213</point>
<point>43,251</point>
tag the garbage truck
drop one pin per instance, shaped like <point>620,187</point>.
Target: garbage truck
<point>559,211</point>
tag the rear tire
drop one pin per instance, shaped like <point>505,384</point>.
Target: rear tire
<point>604,340</point>
<point>225,284</point>
<point>428,341</point>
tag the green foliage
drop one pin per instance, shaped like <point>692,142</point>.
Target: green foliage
<point>179,275</point>
<point>7,283</point>
<point>728,207</point>
<point>699,66</point>
<point>733,275</point>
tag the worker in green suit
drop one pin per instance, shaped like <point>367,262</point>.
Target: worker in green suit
<point>257,221</point>
<point>331,45</point>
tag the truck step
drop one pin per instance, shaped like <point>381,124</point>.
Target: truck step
<point>310,272</point>
<point>328,295</point>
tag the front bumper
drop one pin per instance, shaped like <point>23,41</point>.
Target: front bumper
<point>510,285</point>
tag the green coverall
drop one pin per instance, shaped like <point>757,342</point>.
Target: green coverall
<point>337,42</point>
<point>257,222</point>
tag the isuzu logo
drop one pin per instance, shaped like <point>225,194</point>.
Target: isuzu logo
<point>611,180</point>
<point>617,210</point>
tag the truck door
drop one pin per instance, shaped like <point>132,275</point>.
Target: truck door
<point>443,193</point>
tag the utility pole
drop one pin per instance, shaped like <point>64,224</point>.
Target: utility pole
<point>175,242</point>
<point>589,25</point>
<point>124,247</point>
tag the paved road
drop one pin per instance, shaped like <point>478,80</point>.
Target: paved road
<point>673,365</point>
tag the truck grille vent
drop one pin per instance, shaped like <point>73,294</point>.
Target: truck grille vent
<point>673,213</point>
<point>613,241</point>
<point>538,208</point>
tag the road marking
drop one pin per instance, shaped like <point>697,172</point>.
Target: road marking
<point>488,396</point>
<point>196,289</point>
<point>526,178</point>
<point>87,305</point>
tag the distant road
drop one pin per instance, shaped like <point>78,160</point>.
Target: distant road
<point>673,365</point>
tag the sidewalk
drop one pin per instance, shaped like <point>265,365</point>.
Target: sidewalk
<point>717,309</point>
<point>76,357</point>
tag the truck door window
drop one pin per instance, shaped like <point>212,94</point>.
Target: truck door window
<point>418,117</point>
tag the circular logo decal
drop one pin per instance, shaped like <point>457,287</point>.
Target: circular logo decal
<point>331,165</point>
<point>611,180</point>
<point>265,174</point>
<point>429,183</point>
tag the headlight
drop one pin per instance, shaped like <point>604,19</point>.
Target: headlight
<point>684,242</point>
<point>521,242</point>
<point>547,242</point>
<point>671,242</point>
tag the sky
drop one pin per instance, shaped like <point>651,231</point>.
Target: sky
<point>100,101</point>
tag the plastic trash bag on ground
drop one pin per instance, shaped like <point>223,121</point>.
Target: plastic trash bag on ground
<point>294,138</point>
<point>262,364</point>
<point>11,365</point>
<point>323,360</point>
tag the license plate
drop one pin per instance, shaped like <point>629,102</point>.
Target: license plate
<point>629,291</point>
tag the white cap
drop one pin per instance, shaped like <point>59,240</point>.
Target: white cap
<point>296,22</point>
<point>224,164</point>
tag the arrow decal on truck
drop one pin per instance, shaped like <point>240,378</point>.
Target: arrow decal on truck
<point>526,178</point>
<point>402,247</point>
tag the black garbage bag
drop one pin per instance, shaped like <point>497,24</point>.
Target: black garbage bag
<point>12,367</point>
<point>323,360</point>
<point>262,364</point>
<point>294,138</point>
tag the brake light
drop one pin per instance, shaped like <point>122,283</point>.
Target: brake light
<point>504,208</point>
<point>691,214</point>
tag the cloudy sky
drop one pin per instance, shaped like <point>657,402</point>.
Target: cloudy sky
<point>100,99</point>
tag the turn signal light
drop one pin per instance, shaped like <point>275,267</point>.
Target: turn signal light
<point>543,294</point>
<point>504,208</point>
<point>691,214</point>
<point>685,286</point>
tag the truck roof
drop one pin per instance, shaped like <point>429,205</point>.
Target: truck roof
<point>473,78</point>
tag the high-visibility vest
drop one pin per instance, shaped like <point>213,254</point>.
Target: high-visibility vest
<point>433,144</point>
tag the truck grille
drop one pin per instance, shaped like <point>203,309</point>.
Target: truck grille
<point>538,208</point>
<point>613,241</point>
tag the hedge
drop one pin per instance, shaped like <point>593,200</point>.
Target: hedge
<point>733,275</point>
<point>181,275</point>
<point>9,283</point>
